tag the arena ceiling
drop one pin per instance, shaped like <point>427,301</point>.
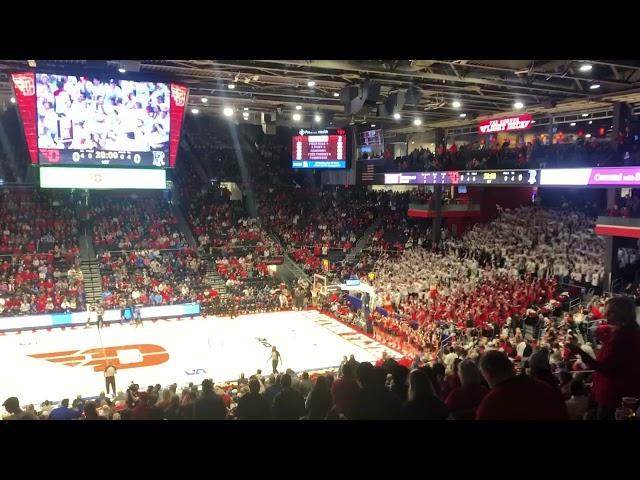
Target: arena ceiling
<point>484,88</point>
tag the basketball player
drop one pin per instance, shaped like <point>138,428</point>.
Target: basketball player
<point>275,359</point>
<point>137,317</point>
<point>110,378</point>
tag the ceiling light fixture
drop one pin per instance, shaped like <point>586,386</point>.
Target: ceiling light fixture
<point>204,99</point>
<point>228,111</point>
<point>585,67</point>
<point>231,86</point>
<point>13,99</point>
<point>518,105</point>
<point>311,83</point>
<point>456,104</point>
<point>462,115</point>
<point>297,117</point>
<point>585,114</point>
<point>417,122</point>
<point>573,124</point>
<point>195,111</point>
<point>594,86</point>
<point>246,109</point>
<point>122,70</point>
<point>317,117</point>
<point>396,116</point>
<point>336,94</point>
<point>298,107</point>
<point>590,122</point>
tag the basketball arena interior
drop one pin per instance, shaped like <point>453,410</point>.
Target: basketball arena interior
<point>453,240</point>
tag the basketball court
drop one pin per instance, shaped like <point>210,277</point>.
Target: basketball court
<point>56,364</point>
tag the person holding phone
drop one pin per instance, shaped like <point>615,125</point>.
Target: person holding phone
<point>617,363</point>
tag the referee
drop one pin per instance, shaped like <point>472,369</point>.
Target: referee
<point>100,321</point>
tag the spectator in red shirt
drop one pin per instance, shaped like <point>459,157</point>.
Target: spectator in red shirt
<point>516,397</point>
<point>345,389</point>
<point>617,363</point>
<point>463,401</point>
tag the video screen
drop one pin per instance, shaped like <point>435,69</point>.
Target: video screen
<point>319,149</point>
<point>83,120</point>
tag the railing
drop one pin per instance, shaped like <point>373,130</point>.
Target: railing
<point>616,285</point>
<point>605,153</point>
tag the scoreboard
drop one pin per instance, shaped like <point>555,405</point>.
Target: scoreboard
<point>89,120</point>
<point>466,177</point>
<point>319,149</point>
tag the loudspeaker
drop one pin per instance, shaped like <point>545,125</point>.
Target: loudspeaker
<point>268,123</point>
<point>413,95</point>
<point>373,92</point>
<point>354,98</point>
<point>394,103</point>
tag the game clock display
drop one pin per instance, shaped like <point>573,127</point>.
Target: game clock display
<point>50,156</point>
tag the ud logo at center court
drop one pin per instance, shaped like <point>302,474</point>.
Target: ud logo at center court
<point>124,356</point>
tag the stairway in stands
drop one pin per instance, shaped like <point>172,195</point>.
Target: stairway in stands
<point>214,280</point>
<point>92,281</point>
<point>363,241</point>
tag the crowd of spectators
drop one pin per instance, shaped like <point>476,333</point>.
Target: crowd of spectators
<point>134,222</point>
<point>540,241</point>
<point>313,224</point>
<point>498,275</point>
<point>559,378</point>
<point>38,254</point>
<point>626,207</point>
<point>478,156</point>
<point>151,277</point>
